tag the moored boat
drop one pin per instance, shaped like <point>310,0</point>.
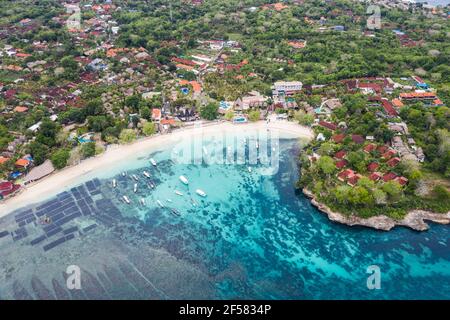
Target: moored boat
<point>146,174</point>
<point>200,192</point>
<point>153,162</point>
<point>178,193</point>
<point>114,183</point>
<point>160,203</point>
<point>135,177</point>
<point>184,180</point>
<point>126,200</point>
<point>135,187</point>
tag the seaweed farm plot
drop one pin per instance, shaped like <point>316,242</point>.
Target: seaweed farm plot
<point>60,219</point>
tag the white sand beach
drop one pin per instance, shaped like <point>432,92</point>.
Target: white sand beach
<point>58,181</point>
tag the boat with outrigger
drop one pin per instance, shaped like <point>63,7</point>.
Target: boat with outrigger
<point>146,174</point>
<point>135,189</point>
<point>200,192</point>
<point>184,180</point>
<point>114,183</point>
<point>179,193</point>
<point>175,212</point>
<point>135,177</point>
<point>151,185</point>
<point>126,199</point>
<point>160,203</point>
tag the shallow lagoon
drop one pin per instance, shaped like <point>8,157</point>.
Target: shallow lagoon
<point>252,237</point>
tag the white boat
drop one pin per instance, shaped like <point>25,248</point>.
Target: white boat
<point>135,177</point>
<point>204,150</point>
<point>125,198</point>
<point>169,200</point>
<point>114,183</point>
<point>184,180</point>
<point>249,169</point>
<point>257,145</point>
<point>142,201</point>
<point>151,185</point>
<point>124,173</point>
<point>135,188</point>
<point>160,203</point>
<point>146,174</point>
<point>200,192</point>
<point>178,192</point>
<point>153,162</point>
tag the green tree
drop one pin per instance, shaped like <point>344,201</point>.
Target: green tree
<point>254,115</point>
<point>326,165</point>
<point>359,195</point>
<point>59,158</point>
<point>210,111</point>
<point>88,149</point>
<point>127,136</point>
<point>149,128</point>
<point>229,115</point>
<point>146,113</point>
<point>393,189</point>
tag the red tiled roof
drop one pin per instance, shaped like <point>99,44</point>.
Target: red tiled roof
<point>389,108</point>
<point>340,154</point>
<point>22,163</point>
<point>353,179</point>
<point>375,176</point>
<point>417,95</point>
<point>374,86</point>
<point>13,189</point>
<point>184,61</point>
<point>20,109</point>
<point>389,154</point>
<point>6,186</point>
<point>3,159</point>
<point>373,166</point>
<point>382,149</point>
<point>389,176</point>
<point>397,103</point>
<point>343,175</point>
<point>402,180</point>
<point>393,162</point>
<point>328,125</point>
<point>338,138</point>
<point>357,138</point>
<point>156,113</point>
<point>168,121</point>
<point>370,147</point>
<point>342,163</point>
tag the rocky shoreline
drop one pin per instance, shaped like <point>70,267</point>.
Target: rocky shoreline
<point>415,219</point>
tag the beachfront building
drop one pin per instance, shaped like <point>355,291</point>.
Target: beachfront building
<point>253,100</point>
<point>286,88</point>
<point>39,172</point>
<point>7,189</point>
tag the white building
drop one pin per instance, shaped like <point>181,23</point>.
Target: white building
<point>286,87</point>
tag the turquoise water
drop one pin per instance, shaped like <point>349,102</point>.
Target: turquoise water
<point>252,237</point>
